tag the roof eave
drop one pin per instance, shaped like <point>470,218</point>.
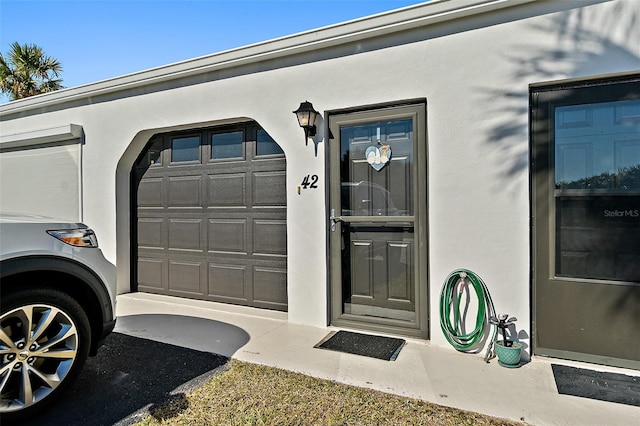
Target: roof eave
<point>394,21</point>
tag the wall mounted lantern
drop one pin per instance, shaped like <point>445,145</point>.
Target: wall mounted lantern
<point>307,119</point>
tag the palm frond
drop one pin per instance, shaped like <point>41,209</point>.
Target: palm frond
<point>26,71</point>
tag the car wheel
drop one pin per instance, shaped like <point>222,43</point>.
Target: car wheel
<point>44,341</point>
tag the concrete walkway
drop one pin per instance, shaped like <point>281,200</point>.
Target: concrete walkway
<point>440,375</point>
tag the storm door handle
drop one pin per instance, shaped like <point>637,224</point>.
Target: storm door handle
<point>334,219</point>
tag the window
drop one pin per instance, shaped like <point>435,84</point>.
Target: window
<point>266,145</point>
<point>185,149</point>
<point>227,145</point>
<point>597,146</point>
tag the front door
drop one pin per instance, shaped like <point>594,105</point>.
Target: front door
<point>586,188</point>
<point>378,220</point>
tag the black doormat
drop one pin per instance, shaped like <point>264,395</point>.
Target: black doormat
<point>380,347</point>
<point>611,387</point>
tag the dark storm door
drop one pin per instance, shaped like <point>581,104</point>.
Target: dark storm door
<point>586,195</point>
<point>378,220</point>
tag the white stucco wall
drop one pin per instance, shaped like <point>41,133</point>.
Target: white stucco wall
<point>474,73</point>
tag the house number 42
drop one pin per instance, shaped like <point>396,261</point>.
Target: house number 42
<point>309,181</point>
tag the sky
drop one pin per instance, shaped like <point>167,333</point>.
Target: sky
<point>99,39</point>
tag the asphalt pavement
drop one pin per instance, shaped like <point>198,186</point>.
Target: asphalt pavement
<point>126,379</point>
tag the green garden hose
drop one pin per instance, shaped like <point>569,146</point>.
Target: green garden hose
<point>450,300</point>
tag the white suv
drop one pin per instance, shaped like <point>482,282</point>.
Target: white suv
<point>57,304</point>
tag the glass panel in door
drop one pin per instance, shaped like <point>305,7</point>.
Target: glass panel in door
<point>597,191</point>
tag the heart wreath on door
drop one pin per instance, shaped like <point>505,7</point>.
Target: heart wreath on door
<point>378,157</point>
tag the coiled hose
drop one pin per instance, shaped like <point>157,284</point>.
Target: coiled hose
<point>457,282</point>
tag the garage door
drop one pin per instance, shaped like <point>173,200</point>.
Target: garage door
<point>211,217</point>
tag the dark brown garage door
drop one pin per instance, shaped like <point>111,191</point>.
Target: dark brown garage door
<point>211,217</point>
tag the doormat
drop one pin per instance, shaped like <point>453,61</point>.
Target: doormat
<point>610,387</point>
<point>380,347</point>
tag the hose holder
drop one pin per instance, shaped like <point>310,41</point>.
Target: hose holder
<point>463,282</point>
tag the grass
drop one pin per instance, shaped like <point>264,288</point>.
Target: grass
<point>250,394</point>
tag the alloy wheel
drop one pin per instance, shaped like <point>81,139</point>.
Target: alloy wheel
<point>38,346</point>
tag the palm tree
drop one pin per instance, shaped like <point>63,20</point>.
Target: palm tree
<point>27,71</point>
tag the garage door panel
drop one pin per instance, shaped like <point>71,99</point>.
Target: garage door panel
<point>150,193</point>
<point>268,189</point>
<point>269,237</point>
<point>150,233</point>
<point>227,190</point>
<point>227,280</point>
<point>185,277</point>
<point>185,234</point>
<point>270,285</point>
<point>150,273</point>
<point>227,236</point>
<point>185,191</point>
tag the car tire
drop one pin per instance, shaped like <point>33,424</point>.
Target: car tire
<point>37,365</point>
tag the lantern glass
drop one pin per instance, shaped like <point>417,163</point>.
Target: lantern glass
<point>303,118</point>
<point>306,114</point>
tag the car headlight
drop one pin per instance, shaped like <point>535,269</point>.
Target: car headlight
<point>76,237</point>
